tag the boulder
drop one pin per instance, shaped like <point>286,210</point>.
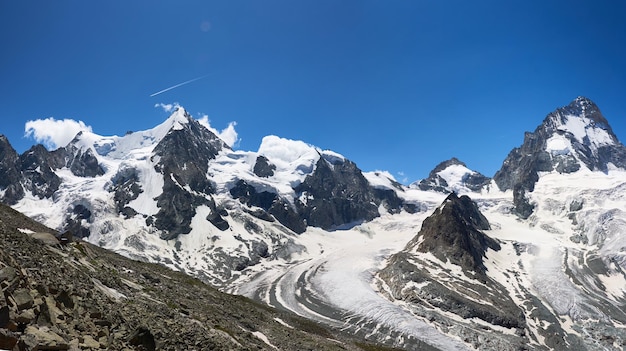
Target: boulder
<point>43,339</point>
<point>22,298</point>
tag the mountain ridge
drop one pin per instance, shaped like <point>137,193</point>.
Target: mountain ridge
<point>304,229</point>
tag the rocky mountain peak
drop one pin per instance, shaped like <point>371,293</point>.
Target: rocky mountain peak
<point>454,233</point>
<point>583,121</point>
<point>453,176</point>
<point>570,138</point>
<point>584,107</point>
<point>10,188</point>
<point>445,164</point>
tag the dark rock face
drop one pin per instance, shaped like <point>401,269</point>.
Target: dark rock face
<point>336,194</point>
<point>9,173</point>
<point>248,195</point>
<point>126,188</point>
<point>216,219</point>
<point>453,233</point>
<point>37,168</point>
<point>271,203</point>
<point>74,221</point>
<point>392,202</point>
<point>34,170</point>
<point>519,171</point>
<point>263,168</point>
<point>186,154</point>
<point>284,213</point>
<point>473,181</point>
<point>83,163</point>
<point>184,160</point>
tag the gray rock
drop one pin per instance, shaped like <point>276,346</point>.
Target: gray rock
<point>43,339</point>
<point>23,299</point>
<point>263,168</point>
<point>184,156</point>
<point>454,233</point>
<point>8,274</point>
<point>337,194</point>
<point>82,163</point>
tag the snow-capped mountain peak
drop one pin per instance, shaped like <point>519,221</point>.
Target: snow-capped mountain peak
<point>572,138</point>
<point>453,176</point>
<point>578,124</point>
<point>175,121</point>
<point>133,144</point>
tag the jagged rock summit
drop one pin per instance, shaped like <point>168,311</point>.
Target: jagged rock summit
<point>454,233</point>
<point>569,139</point>
<point>442,268</point>
<point>453,176</point>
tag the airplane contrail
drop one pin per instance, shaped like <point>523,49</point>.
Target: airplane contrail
<point>178,85</point>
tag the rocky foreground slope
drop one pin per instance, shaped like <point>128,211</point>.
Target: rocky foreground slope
<point>77,296</point>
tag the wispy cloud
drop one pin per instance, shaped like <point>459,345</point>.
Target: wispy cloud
<point>228,134</point>
<point>168,107</point>
<point>178,85</point>
<point>53,133</point>
<point>403,177</point>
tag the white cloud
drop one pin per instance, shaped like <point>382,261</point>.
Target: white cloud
<point>286,152</point>
<point>53,133</point>
<point>404,179</point>
<point>228,135</point>
<point>168,107</point>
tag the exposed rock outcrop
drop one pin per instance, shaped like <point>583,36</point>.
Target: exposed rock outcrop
<point>423,274</point>
<point>454,233</point>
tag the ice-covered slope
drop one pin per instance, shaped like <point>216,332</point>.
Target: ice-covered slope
<point>557,278</point>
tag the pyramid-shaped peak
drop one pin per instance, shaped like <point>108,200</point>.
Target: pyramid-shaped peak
<point>583,107</point>
<point>571,138</point>
<point>453,176</point>
<point>179,116</point>
<point>454,233</point>
<point>582,101</point>
<point>583,119</point>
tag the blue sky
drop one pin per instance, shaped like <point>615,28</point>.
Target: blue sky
<point>392,85</point>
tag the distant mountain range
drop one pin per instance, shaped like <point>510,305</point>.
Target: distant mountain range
<point>529,259</point>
